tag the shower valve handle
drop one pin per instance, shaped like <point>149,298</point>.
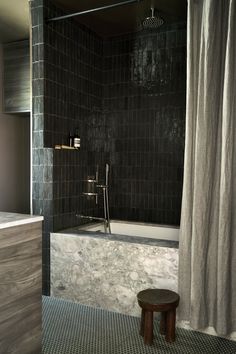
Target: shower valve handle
<point>101,186</point>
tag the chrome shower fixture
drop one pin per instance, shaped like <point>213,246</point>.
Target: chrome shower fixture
<point>92,184</point>
<point>154,21</point>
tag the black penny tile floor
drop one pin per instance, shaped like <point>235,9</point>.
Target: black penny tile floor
<point>72,328</point>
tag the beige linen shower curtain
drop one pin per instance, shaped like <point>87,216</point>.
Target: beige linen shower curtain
<point>207,264</point>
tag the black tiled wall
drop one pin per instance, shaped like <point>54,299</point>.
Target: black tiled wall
<point>73,99</point>
<point>67,94</point>
<point>144,94</point>
<point>73,75</point>
<point>126,95</point>
<point>42,158</point>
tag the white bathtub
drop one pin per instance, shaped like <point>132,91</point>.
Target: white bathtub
<point>161,232</point>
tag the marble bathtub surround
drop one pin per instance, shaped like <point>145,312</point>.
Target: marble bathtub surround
<point>123,238</point>
<point>108,272</point>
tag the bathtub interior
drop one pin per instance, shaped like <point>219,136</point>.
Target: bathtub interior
<point>136,229</point>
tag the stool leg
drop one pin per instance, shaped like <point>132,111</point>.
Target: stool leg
<point>141,332</point>
<point>170,325</point>
<point>148,327</point>
<point>163,323</point>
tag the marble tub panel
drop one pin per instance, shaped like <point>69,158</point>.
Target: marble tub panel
<point>109,274</point>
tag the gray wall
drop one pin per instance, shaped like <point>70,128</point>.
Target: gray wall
<point>14,158</point>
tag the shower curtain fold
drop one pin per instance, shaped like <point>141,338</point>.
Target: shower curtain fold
<point>207,263</point>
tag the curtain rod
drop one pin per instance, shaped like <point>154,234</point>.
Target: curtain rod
<point>127,2</point>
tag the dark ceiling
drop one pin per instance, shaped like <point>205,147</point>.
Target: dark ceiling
<point>123,19</point>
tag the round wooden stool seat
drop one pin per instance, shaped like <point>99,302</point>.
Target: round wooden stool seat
<point>158,300</point>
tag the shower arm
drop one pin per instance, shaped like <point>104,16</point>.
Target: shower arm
<point>127,2</point>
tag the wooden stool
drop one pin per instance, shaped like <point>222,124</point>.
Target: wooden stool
<point>158,300</point>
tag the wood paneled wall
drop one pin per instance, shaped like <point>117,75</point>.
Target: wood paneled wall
<point>16,77</point>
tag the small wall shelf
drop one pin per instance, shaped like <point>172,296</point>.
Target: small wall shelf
<point>65,147</point>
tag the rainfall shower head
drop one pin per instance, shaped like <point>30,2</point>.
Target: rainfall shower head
<point>153,21</point>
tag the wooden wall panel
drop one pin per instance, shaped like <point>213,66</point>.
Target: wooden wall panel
<point>16,77</point>
<point>20,289</point>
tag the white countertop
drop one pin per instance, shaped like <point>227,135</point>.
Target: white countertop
<point>13,219</point>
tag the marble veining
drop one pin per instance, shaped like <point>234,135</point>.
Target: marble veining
<point>14,219</point>
<point>108,273</point>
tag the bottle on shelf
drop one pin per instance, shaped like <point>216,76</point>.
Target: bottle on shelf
<point>71,139</point>
<point>76,139</point>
